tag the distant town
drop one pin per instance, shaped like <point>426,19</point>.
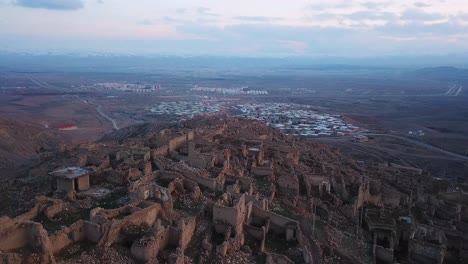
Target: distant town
<point>186,109</point>
<point>296,119</point>
<point>244,90</point>
<point>128,87</point>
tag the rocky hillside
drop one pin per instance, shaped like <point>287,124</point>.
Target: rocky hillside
<point>20,142</point>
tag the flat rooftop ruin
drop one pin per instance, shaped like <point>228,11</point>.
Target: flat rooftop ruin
<point>71,172</point>
<point>72,179</point>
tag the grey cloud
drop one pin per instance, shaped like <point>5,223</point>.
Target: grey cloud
<point>202,9</point>
<point>371,15</point>
<point>272,38</point>
<point>257,18</point>
<point>421,4</point>
<point>181,10</point>
<point>146,22</point>
<point>417,29</point>
<point>51,4</point>
<point>374,5</point>
<point>356,17</point>
<point>205,11</point>
<point>415,14</point>
<point>342,4</point>
<point>168,19</point>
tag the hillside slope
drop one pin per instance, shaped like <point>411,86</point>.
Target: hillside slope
<point>20,142</point>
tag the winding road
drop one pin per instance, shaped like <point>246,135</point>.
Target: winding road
<point>420,144</point>
<point>114,124</point>
<point>454,90</point>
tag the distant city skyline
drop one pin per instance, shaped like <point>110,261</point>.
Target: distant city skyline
<point>352,28</point>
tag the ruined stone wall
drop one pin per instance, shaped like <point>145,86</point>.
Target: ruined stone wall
<point>391,199</point>
<point>254,199</point>
<point>25,234</point>
<point>365,197</point>
<point>147,168</point>
<point>144,217</point>
<point>77,232</point>
<point>187,228</point>
<point>258,233</point>
<point>161,151</point>
<point>191,135</point>
<point>294,156</point>
<point>101,216</point>
<point>147,249</point>
<point>14,237</point>
<point>383,254</point>
<point>176,142</point>
<point>53,210</point>
<point>277,259</point>
<point>235,215</point>
<point>277,222</point>
<point>38,239</point>
<point>407,168</point>
<point>458,196</point>
<point>264,171</point>
<point>216,184</point>
<point>307,248</point>
<point>425,252</point>
<point>288,184</point>
<point>224,214</point>
<point>14,231</point>
<point>199,161</point>
<point>7,222</point>
<point>164,132</point>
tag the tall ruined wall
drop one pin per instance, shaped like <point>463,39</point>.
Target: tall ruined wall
<point>263,171</point>
<point>216,184</point>
<point>458,196</point>
<point>187,229</point>
<point>147,249</point>
<point>13,237</point>
<point>191,135</point>
<point>161,151</point>
<point>176,142</point>
<point>224,214</point>
<point>235,216</point>
<point>144,217</point>
<point>277,222</point>
<point>425,252</point>
<point>26,234</point>
<point>365,197</point>
<point>77,232</point>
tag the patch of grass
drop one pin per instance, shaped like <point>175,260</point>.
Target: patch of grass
<point>262,185</point>
<point>111,201</point>
<point>64,219</point>
<point>188,205</point>
<point>278,244</point>
<point>76,250</point>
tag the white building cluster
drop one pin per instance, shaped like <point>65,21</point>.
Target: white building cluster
<point>186,109</point>
<point>128,87</point>
<point>297,120</point>
<point>229,91</point>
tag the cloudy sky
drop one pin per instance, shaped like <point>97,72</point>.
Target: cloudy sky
<point>236,27</point>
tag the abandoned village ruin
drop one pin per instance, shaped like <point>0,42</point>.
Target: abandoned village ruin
<point>230,191</point>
